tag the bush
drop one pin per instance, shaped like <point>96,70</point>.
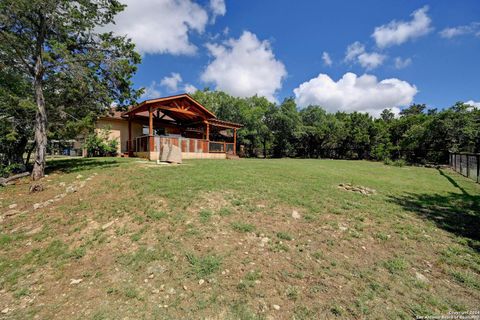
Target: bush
<point>388,162</point>
<point>395,163</point>
<point>5,171</point>
<point>99,145</point>
<point>399,163</point>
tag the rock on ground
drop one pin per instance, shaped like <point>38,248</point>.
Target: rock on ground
<point>359,189</point>
<point>107,225</point>
<point>75,281</point>
<point>421,277</point>
<point>295,214</point>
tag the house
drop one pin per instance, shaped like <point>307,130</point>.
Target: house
<point>144,129</point>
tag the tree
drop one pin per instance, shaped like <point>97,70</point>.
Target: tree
<point>286,126</point>
<point>57,46</point>
<point>357,142</point>
<point>314,130</point>
<point>387,115</point>
<point>17,112</point>
<point>414,109</point>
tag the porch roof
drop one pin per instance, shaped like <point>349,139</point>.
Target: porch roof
<point>181,109</point>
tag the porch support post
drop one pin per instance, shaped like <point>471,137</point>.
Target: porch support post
<point>129,143</point>
<point>150,129</point>
<point>207,136</point>
<point>235,141</point>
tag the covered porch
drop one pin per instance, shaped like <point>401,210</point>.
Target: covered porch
<point>183,122</point>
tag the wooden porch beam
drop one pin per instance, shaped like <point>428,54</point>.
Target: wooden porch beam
<point>235,141</point>
<point>150,129</point>
<point>175,109</point>
<point>129,143</point>
<point>208,132</point>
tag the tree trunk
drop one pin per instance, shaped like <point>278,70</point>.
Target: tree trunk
<point>41,117</point>
<point>264,148</point>
<point>40,132</point>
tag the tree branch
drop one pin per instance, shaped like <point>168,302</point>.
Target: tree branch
<point>17,52</point>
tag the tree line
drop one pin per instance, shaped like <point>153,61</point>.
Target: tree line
<point>416,135</point>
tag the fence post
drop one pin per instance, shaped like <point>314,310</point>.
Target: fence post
<point>461,165</point>
<point>478,168</point>
<point>468,165</point>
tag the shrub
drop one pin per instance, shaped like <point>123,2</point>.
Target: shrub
<point>399,163</point>
<point>388,162</point>
<point>99,145</point>
<point>395,163</point>
<point>5,171</point>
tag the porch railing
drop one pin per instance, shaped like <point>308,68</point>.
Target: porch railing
<point>142,144</point>
<point>216,147</point>
<point>229,148</point>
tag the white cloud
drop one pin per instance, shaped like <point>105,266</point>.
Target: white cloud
<point>353,93</point>
<point>326,59</point>
<point>402,63</point>
<point>356,52</point>
<point>244,67</point>
<point>161,26</point>
<point>151,92</point>
<point>398,32</point>
<point>171,82</point>
<point>218,8</point>
<point>472,28</point>
<point>473,103</point>
<point>174,83</point>
<point>189,88</point>
<point>371,60</point>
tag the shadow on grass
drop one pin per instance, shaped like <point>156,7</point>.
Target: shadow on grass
<point>454,212</point>
<point>79,164</point>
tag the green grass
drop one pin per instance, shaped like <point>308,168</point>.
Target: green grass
<point>396,265</point>
<point>284,236</point>
<point>249,280</point>
<point>230,223</point>
<point>204,266</point>
<point>156,214</point>
<point>242,226</point>
<point>205,215</point>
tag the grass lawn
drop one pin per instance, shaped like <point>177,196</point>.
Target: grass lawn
<point>247,239</point>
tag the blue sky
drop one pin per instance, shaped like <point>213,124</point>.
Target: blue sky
<point>371,54</point>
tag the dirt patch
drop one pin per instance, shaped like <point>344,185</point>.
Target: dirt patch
<point>214,200</point>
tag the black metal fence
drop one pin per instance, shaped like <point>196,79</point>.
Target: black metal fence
<point>467,164</point>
